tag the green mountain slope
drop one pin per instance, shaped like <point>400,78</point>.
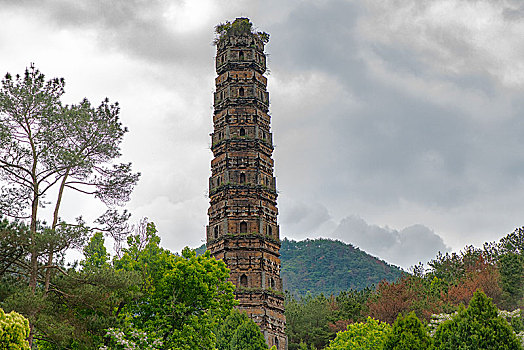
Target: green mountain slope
<point>329,267</point>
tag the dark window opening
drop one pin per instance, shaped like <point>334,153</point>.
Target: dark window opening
<point>255,119</point>
<point>241,91</point>
<point>241,55</point>
<point>272,283</point>
<point>269,230</point>
<point>276,342</point>
<point>243,281</point>
<point>216,231</point>
<point>242,132</point>
<point>242,178</point>
<point>243,227</point>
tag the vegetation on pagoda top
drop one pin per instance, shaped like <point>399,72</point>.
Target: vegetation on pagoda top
<point>239,27</point>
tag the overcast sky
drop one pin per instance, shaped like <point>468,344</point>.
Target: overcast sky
<point>398,125</point>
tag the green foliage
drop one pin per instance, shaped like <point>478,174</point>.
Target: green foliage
<point>240,26</point>
<point>182,295</point>
<point>14,329</point>
<point>513,242</point>
<point>248,336</point>
<point>90,305</point>
<point>408,333</point>
<point>228,328</point>
<point>351,304</point>
<point>451,268</point>
<point>48,147</point>
<point>308,321</point>
<point>13,243</point>
<point>44,145</point>
<point>238,331</point>
<point>369,335</point>
<point>511,267</point>
<point>477,327</point>
<point>329,267</point>
<point>78,306</point>
<point>95,253</point>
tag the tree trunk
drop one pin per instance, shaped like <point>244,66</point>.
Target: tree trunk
<point>34,265</point>
<point>53,227</point>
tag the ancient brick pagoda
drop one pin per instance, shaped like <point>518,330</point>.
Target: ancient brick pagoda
<point>243,229</point>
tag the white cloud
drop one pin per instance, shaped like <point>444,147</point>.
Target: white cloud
<point>405,248</point>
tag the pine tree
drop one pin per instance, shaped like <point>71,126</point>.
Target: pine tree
<point>476,328</point>
<point>408,333</point>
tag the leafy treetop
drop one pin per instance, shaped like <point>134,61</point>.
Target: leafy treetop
<point>14,329</point>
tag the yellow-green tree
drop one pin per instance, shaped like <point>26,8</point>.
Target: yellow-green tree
<point>369,335</point>
<point>14,330</point>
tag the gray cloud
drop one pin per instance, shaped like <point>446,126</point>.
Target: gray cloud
<point>406,247</point>
<point>399,105</point>
<point>303,219</point>
<point>405,111</point>
<point>142,29</point>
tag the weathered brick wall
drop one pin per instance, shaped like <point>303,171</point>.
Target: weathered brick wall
<point>243,228</point>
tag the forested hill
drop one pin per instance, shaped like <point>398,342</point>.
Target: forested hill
<point>327,266</point>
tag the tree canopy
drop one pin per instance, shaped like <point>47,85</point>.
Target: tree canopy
<point>14,330</point>
<point>368,335</point>
<point>477,327</point>
<point>182,296</point>
<point>46,149</point>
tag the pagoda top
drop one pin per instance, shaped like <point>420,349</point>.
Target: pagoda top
<point>241,26</point>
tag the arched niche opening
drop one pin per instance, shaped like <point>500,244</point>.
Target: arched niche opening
<point>241,55</point>
<point>243,280</point>
<point>243,227</point>
<point>241,91</point>
<point>216,231</point>
<point>242,132</point>
<point>272,283</point>
<point>242,178</point>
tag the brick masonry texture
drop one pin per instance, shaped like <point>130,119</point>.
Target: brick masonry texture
<point>243,228</point>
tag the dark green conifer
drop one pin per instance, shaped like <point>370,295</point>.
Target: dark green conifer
<point>408,333</point>
<point>476,328</point>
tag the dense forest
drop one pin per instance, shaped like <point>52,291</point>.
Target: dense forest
<point>433,302</point>
<point>324,266</point>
